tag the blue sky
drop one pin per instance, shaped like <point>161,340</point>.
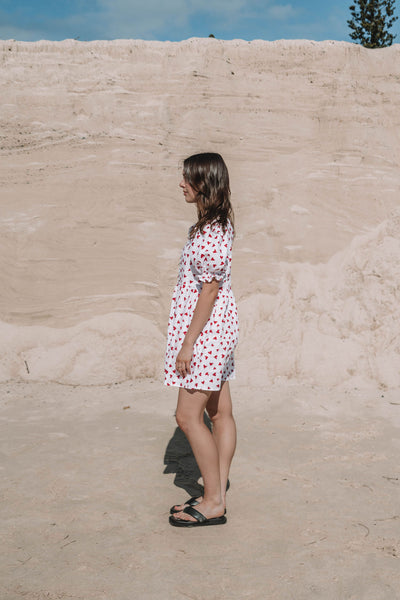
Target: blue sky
<point>176,20</point>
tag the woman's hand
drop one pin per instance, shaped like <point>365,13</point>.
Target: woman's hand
<point>184,358</point>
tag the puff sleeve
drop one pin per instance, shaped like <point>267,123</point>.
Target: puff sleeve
<point>211,254</point>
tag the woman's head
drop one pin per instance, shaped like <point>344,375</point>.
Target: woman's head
<point>208,177</point>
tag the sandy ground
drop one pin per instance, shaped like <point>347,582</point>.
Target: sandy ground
<point>313,508</point>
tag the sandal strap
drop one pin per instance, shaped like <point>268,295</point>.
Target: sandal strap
<point>189,510</point>
<point>192,501</point>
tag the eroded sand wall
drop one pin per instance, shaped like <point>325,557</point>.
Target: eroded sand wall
<point>92,221</point>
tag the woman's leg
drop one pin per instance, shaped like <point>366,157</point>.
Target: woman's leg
<point>190,418</point>
<point>219,409</point>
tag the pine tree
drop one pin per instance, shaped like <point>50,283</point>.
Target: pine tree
<point>371,21</point>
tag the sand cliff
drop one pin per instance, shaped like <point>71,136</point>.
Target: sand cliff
<point>92,220</point>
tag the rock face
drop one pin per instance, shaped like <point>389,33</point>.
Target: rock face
<point>92,220</point>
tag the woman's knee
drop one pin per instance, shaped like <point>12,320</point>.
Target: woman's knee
<point>219,405</point>
<point>180,420</point>
<point>190,409</point>
<point>217,415</point>
<point>184,420</point>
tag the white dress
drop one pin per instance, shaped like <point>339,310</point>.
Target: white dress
<point>206,257</point>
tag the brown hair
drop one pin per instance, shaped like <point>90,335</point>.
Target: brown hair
<point>208,176</point>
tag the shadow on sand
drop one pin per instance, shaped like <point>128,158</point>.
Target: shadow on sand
<point>179,459</point>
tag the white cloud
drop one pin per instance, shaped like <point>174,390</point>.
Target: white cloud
<point>131,18</point>
<point>281,12</point>
<point>135,18</point>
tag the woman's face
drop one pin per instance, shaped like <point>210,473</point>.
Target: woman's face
<point>189,193</point>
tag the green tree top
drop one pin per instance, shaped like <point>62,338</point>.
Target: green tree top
<point>371,21</point>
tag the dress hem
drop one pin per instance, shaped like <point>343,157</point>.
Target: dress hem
<point>192,387</point>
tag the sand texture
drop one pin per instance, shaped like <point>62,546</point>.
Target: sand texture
<point>91,227</point>
<point>92,221</point>
<point>313,508</point>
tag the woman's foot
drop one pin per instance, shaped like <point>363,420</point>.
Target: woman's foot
<point>191,502</point>
<point>208,509</point>
<point>199,519</point>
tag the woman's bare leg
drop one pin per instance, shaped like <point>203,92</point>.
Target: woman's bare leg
<point>219,409</point>
<point>190,418</point>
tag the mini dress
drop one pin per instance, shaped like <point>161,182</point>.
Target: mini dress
<point>206,257</point>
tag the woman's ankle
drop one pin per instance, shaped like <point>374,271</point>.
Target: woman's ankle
<point>214,500</point>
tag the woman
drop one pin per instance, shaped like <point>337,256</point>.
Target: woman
<point>202,335</point>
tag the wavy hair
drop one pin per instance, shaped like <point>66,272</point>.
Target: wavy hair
<point>208,175</point>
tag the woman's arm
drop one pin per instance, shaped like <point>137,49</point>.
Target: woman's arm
<point>202,312</point>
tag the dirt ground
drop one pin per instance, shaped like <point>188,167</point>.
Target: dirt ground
<point>313,509</point>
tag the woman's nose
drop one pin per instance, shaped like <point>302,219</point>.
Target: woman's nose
<point>182,183</point>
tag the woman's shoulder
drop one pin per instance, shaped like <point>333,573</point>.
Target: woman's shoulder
<point>206,230</point>
<point>213,231</point>
<point>217,228</point>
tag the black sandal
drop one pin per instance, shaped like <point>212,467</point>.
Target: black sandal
<point>201,520</point>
